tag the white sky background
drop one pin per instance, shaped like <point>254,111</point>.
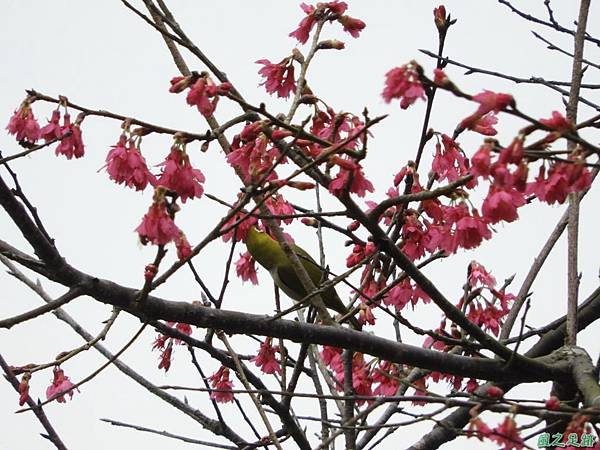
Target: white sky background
<point>100,55</point>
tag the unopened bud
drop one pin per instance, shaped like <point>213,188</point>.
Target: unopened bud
<point>309,221</point>
<point>440,18</point>
<point>331,44</point>
<point>354,225</point>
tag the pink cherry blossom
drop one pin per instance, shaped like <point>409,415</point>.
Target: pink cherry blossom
<point>184,250</point>
<point>279,78</point>
<point>492,101</point>
<point>507,435</point>
<point>306,24</point>
<point>245,268</point>
<point>479,275</point>
<point>24,125</point>
<point>220,381</point>
<point>277,205</point>
<point>501,204</point>
<point>387,375</point>
<point>351,25</point>
<point>126,165</point>
<point>71,143</point>
<point>52,130</point>
<point>266,359</point>
<point>178,175</point>
<point>350,178</point>
<point>23,388</point>
<point>404,83</point>
<point>241,229</point>
<point>449,164</point>
<point>60,386</point>
<point>203,93</point>
<point>157,226</point>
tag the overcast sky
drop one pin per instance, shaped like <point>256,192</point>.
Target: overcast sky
<point>100,55</point>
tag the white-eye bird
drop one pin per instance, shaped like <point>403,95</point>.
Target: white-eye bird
<point>271,256</point>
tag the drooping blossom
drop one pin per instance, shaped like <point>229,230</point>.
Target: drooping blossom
<point>60,386</point>
<point>507,435</point>
<point>52,130</point>
<point>180,176</point>
<point>245,268</point>
<point>491,101</point>
<point>483,124</point>
<point>332,358</point>
<point>350,178</point>
<point>361,378</point>
<point>24,125</point>
<point>278,206</point>
<point>221,382</point>
<point>471,230</point>
<point>501,204</point>
<point>553,403</point>
<point>388,376</point>
<point>204,94</point>
<point>479,429</point>
<point>352,26</point>
<point>481,161</point>
<point>265,359</point>
<point>558,123</point>
<point>403,293</point>
<point>494,392</point>
<point>562,179</point>
<point>71,142</point>
<point>450,163</point>
<point>184,249</point>
<point>23,388</point>
<point>413,236</point>
<point>479,275</point>
<point>157,226</point>
<point>241,229</point>
<point>404,83</point>
<point>166,354</point>
<point>330,11</point>
<point>306,24</point>
<point>360,252</point>
<point>279,77</point>
<point>126,165</point>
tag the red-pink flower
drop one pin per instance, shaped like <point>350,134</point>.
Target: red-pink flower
<point>306,24</point>
<point>241,229</point>
<point>245,268</point>
<point>563,178</point>
<point>332,358</point>
<point>481,161</point>
<point>266,359</point>
<point>404,83</point>
<point>23,388</point>
<point>24,125</point>
<point>352,25</point>
<point>413,237</point>
<point>126,165</point>
<point>399,295</point>
<point>449,164</point>
<point>71,142</point>
<point>471,230</point>
<point>492,101</point>
<point>359,252</point>
<point>53,129</point>
<point>558,123</point>
<point>157,226</point>
<point>478,274</point>
<point>350,178</point>
<point>479,429</point>
<point>166,354</point>
<point>178,175</point>
<point>501,204</point>
<point>484,124</point>
<point>184,249</point>
<point>507,435</point>
<point>279,78</point>
<point>388,376</point>
<point>278,206</point>
<point>220,381</point>
<point>60,386</point>
<point>494,392</point>
<point>204,94</point>
<point>553,403</point>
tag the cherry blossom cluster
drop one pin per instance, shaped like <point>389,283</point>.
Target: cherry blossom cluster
<point>27,130</point>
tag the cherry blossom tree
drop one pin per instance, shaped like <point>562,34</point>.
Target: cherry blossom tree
<point>438,350</point>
